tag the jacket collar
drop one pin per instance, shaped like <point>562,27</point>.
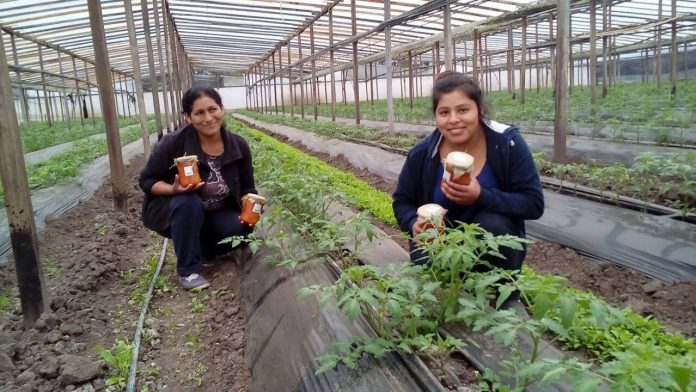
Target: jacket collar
<point>192,146</point>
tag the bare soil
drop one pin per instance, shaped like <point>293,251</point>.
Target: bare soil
<point>92,259</point>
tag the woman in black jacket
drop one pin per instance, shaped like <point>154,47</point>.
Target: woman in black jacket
<point>197,217</point>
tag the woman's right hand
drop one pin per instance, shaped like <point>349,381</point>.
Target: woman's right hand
<point>417,229</point>
<point>178,189</point>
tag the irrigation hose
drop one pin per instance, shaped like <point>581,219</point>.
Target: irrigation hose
<point>130,386</point>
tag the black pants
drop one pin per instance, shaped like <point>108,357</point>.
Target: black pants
<point>496,224</point>
<point>196,233</point>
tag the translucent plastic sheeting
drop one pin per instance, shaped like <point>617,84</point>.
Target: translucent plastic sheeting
<point>659,247</point>
<point>285,335</point>
<point>53,201</point>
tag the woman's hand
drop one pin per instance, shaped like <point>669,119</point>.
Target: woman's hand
<point>462,194</point>
<point>417,229</point>
<point>178,189</point>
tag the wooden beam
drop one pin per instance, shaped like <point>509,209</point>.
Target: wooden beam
<point>139,91</point>
<point>561,113</point>
<point>356,86</point>
<point>20,217</point>
<point>154,85</point>
<point>108,105</point>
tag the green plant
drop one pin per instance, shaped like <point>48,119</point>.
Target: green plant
<point>118,359</point>
<point>51,268</point>
<point>7,301</point>
<point>197,375</point>
<point>198,303</point>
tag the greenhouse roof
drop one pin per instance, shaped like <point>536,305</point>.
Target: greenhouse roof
<point>230,36</point>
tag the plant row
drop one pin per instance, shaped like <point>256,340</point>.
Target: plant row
<point>406,306</point>
<point>66,165</point>
<point>39,135</point>
<point>650,105</point>
<point>668,181</point>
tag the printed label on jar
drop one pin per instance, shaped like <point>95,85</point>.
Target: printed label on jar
<point>188,171</point>
<point>257,208</point>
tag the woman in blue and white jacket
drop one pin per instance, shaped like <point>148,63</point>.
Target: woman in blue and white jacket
<point>505,189</point>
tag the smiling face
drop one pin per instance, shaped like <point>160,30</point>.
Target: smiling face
<point>206,116</point>
<point>458,118</point>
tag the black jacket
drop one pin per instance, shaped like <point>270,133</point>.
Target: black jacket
<point>520,196</point>
<point>236,169</point>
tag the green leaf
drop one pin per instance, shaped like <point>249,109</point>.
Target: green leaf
<point>352,309</point>
<point>682,377</point>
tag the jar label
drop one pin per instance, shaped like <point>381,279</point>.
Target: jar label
<point>257,208</point>
<point>446,175</point>
<point>188,171</point>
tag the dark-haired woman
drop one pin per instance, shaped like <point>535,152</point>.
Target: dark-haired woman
<point>197,217</point>
<point>504,190</point>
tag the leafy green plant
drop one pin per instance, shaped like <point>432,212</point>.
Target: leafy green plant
<point>7,301</point>
<point>198,303</point>
<point>118,359</point>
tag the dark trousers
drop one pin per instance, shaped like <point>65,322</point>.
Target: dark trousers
<point>196,233</point>
<point>496,224</point>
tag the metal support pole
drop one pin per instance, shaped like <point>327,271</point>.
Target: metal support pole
<point>108,105</point>
<point>301,74</point>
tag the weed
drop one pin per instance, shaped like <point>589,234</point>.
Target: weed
<point>118,359</point>
<point>197,375</point>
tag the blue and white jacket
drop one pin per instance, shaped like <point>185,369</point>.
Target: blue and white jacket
<point>520,196</point>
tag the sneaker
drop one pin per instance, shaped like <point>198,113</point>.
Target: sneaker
<point>194,281</point>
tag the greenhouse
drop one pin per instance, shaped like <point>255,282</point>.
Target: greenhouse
<point>348,195</point>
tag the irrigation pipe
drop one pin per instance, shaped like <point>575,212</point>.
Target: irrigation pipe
<point>130,386</point>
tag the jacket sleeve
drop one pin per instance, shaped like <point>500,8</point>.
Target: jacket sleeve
<point>406,198</point>
<point>526,198</point>
<point>246,172</point>
<point>157,167</point>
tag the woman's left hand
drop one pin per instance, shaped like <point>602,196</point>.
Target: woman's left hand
<point>462,194</point>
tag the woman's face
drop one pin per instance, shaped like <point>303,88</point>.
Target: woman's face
<point>457,118</point>
<point>206,116</point>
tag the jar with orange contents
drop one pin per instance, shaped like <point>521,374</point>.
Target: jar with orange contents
<point>187,166</point>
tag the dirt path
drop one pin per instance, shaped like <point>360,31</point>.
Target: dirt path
<point>94,261</point>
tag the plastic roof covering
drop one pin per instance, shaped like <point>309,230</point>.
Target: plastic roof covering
<point>229,36</point>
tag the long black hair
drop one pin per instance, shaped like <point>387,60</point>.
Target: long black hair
<point>194,93</point>
<point>449,81</point>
